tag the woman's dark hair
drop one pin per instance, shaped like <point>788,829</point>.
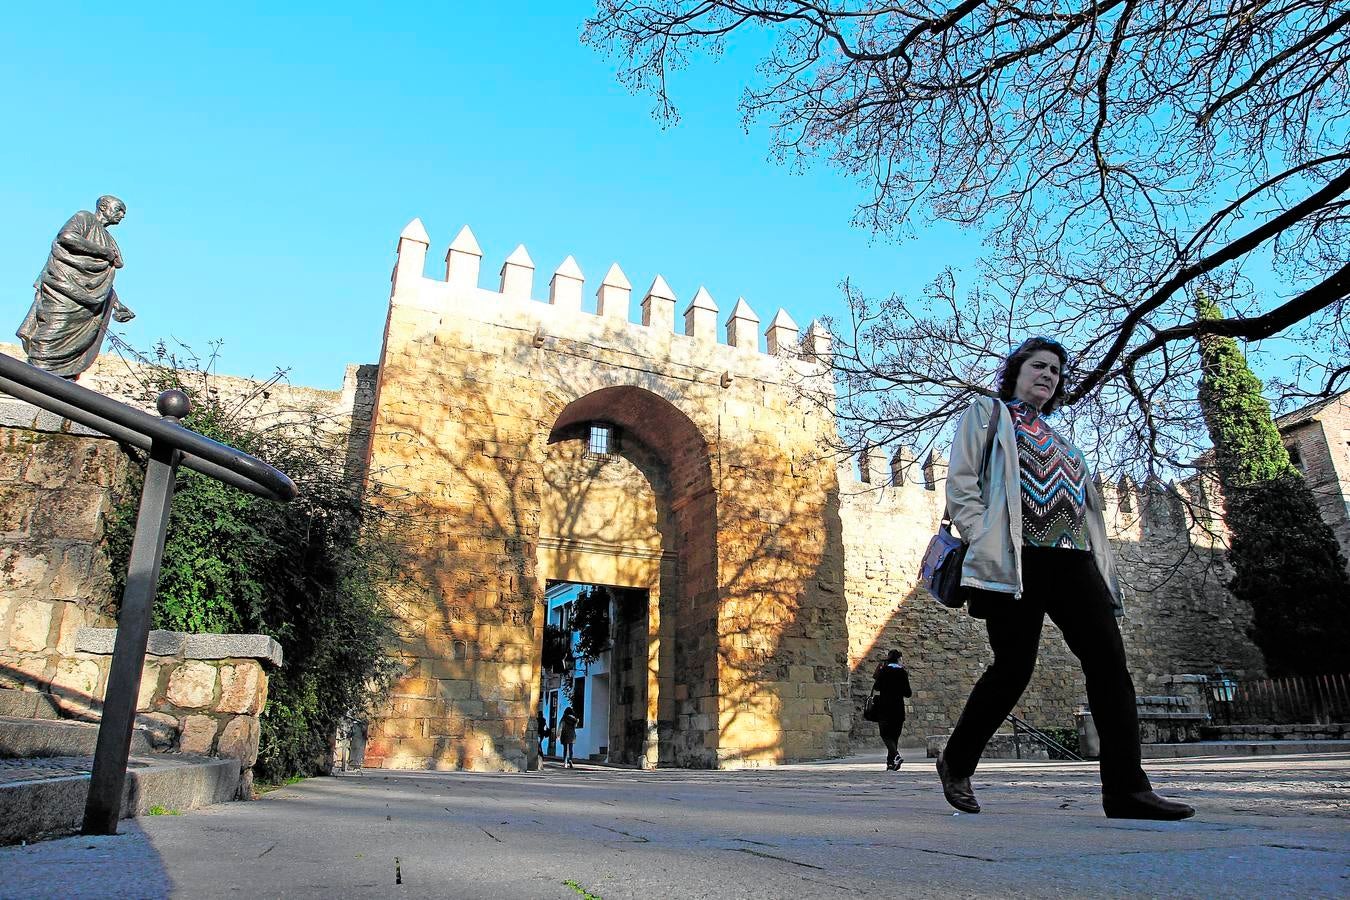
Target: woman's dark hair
<point>1012,367</point>
<point>893,656</point>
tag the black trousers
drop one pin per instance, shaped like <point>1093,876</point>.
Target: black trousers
<point>1065,585</point>
<point>890,736</point>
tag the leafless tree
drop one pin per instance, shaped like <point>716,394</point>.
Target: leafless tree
<point>1119,156</point>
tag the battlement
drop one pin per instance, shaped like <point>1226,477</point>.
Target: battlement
<point>562,314</point>
<point>1191,510</point>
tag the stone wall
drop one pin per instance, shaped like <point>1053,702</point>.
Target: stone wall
<point>1318,438</point>
<point>56,484</point>
<point>746,645</point>
<point>58,481</point>
<point>1179,617</point>
<point>200,693</point>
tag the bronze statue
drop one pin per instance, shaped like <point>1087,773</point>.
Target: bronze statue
<point>74,296</point>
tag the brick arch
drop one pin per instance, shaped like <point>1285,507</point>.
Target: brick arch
<point>681,645</point>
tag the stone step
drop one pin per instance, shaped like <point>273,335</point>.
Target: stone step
<point>1241,748</point>
<point>43,798</point>
<point>27,705</point>
<point>21,737</point>
<point>1326,732</point>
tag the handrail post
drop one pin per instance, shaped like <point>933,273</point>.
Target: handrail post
<point>103,807</point>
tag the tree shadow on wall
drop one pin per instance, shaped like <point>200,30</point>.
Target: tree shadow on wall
<point>1180,619</point>
<point>783,632</point>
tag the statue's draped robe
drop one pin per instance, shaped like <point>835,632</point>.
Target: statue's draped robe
<point>74,299</point>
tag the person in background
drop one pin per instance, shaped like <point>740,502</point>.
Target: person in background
<point>1038,547</point>
<point>891,683</point>
<point>567,734</point>
<point>541,730</point>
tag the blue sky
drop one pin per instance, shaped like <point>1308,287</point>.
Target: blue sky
<point>269,161</point>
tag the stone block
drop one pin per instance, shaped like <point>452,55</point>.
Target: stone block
<point>74,513</point>
<point>161,729</point>
<point>239,739</point>
<point>102,640</point>
<point>192,685</point>
<point>75,683</point>
<point>243,689</point>
<point>75,573</point>
<point>55,465</point>
<point>23,569</point>
<point>149,689</point>
<point>16,508</point>
<point>73,618</point>
<point>232,646</point>
<point>31,627</point>
<point>198,735</point>
<point>31,672</point>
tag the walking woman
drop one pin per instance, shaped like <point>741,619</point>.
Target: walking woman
<point>1038,547</point>
<point>567,734</point>
<point>891,684</point>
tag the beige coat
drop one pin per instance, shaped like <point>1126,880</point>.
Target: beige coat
<point>989,516</point>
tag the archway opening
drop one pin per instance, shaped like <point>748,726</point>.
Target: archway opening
<point>627,502</point>
<point>593,663</point>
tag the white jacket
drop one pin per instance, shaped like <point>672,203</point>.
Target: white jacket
<point>989,516</point>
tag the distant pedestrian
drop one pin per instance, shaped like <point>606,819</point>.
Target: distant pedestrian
<point>1038,547</point>
<point>567,734</point>
<point>891,684</point>
<point>541,730</point>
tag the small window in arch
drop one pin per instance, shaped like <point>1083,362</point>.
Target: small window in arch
<point>601,442</point>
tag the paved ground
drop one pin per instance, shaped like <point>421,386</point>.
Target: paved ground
<point>1267,827</point>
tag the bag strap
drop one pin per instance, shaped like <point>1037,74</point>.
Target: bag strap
<point>990,432</point>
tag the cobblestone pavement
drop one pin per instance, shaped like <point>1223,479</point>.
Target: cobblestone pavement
<point>1266,827</point>
<point>17,770</point>
<point>37,768</point>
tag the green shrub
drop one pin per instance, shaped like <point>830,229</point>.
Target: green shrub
<point>1065,737</point>
<point>308,573</point>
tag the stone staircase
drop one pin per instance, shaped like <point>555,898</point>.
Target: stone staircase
<point>46,761</point>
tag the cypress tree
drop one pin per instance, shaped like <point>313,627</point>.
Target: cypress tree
<point>1287,564</point>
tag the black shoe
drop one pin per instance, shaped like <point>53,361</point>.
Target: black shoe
<point>957,790</point>
<point>1144,805</point>
<point>896,764</point>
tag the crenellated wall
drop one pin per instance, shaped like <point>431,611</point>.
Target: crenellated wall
<point>746,646</point>
<point>779,580</point>
<point>1179,617</point>
<point>775,580</point>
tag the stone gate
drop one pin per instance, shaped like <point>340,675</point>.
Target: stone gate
<point>525,441</point>
<point>713,495</point>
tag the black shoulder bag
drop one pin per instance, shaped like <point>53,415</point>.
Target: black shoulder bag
<point>940,573</point>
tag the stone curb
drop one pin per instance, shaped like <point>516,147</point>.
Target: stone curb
<point>49,807</point>
<point>187,646</point>
<point>1241,748</point>
<point>16,413</point>
<point>21,737</point>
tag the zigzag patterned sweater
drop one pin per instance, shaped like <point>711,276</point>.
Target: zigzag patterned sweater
<point>1054,483</point>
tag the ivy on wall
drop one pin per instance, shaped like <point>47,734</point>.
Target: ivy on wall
<point>308,573</point>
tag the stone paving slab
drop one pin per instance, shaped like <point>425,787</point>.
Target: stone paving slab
<point>1267,827</point>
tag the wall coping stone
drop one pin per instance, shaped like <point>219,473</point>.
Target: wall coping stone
<point>16,413</point>
<point>1185,679</point>
<point>188,646</point>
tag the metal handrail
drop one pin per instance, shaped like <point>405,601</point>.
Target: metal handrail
<point>170,445</point>
<point>1041,736</point>
<point>140,429</point>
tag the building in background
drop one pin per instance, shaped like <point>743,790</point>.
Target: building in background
<point>585,686</point>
